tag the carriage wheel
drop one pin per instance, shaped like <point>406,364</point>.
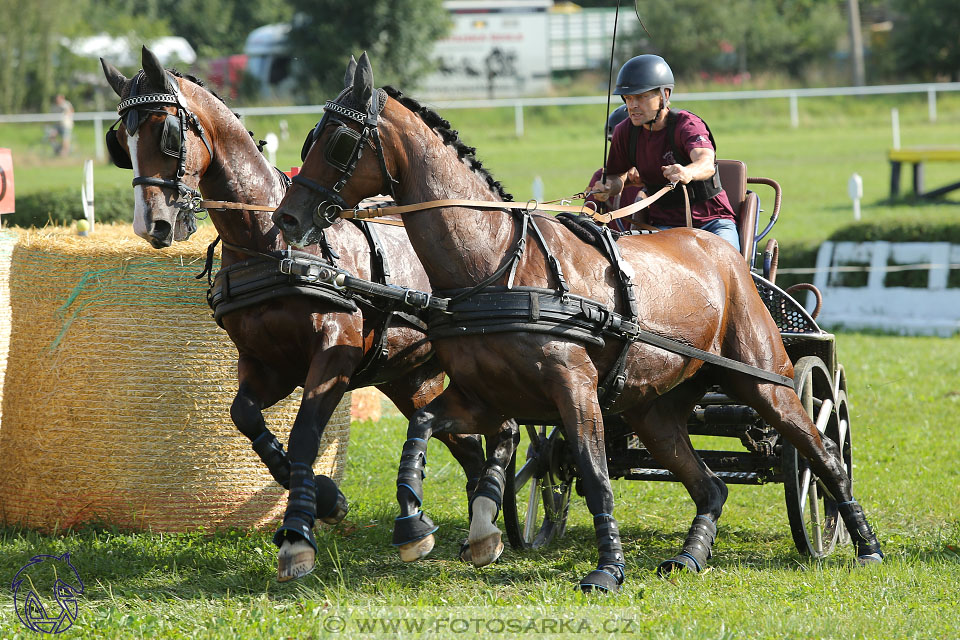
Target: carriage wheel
<point>814,517</point>
<point>537,497</point>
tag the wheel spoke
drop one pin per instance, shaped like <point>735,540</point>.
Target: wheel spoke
<point>816,522</point>
<point>804,486</point>
<point>824,416</point>
<point>533,503</point>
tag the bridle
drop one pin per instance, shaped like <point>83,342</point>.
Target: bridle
<point>343,152</point>
<point>173,140</point>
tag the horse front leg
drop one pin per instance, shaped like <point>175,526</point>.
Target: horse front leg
<point>311,496</point>
<point>257,391</point>
<point>450,412</point>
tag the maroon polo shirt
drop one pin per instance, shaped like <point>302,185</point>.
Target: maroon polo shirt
<point>653,153</point>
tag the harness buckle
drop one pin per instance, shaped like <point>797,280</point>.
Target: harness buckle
<point>286,266</point>
<point>410,294</point>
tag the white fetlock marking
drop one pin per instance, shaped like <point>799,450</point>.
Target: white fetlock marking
<point>295,560</point>
<point>485,537</point>
<point>417,549</point>
<point>482,524</point>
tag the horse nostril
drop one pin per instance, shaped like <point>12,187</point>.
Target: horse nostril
<point>161,232</point>
<point>287,221</point>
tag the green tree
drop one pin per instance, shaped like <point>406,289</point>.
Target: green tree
<point>925,44</point>
<point>217,28</point>
<point>398,35</point>
<point>734,36</point>
<point>29,51</point>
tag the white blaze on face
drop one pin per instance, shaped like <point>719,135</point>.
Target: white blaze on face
<point>139,203</point>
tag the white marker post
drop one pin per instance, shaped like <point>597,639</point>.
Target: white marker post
<point>855,189</point>
<point>272,145</point>
<point>895,123</point>
<point>86,194</point>
<point>537,188</point>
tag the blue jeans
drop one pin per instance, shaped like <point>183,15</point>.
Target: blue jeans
<point>726,229</point>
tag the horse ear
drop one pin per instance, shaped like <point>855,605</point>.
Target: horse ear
<point>115,79</point>
<point>351,69</point>
<point>363,81</point>
<point>154,70</point>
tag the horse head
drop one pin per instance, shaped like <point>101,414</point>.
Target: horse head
<point>159,136</point>
<point>336,174</point>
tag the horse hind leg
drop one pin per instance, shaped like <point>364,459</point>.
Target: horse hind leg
<point>663,431</point>
<point>782,409</point>
<point>450,412</point>
<point>484,544</point>
<point>412,392</point>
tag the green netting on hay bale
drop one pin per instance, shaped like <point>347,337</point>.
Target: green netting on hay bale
<point>118,389</point>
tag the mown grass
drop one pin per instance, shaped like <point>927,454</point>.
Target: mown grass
<point>905,396</point>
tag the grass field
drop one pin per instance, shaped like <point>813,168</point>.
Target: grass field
<point>905,402</point>
<point>905,395</point>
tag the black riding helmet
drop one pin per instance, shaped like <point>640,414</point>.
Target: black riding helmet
<point>643,73</point>
<point>619,115</point>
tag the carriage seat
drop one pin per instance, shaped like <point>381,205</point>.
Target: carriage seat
<point>746,205</point>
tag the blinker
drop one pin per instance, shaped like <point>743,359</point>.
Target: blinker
<point>170,140</point>
<point>341,148</point>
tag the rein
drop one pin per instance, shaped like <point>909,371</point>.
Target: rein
<point>371,213</point>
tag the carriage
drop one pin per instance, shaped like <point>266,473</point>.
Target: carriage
<point>538,494</point>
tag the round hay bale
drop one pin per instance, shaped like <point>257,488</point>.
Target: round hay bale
<point>7,240</point>
<point>116,403</point>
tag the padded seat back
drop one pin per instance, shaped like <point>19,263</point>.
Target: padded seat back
<point>746,206</point>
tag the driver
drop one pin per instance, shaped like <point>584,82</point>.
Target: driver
<point>665,145</point>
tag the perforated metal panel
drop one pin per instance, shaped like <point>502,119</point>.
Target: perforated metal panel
<point>789,314</point>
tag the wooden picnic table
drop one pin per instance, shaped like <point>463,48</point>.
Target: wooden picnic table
<point>918,156</point>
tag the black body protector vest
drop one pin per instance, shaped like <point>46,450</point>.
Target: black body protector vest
<point>699,190</point>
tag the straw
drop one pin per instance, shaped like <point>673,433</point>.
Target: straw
<point>116,403</point>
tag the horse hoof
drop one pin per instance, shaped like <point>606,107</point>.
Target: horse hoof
<point>484,551</point>
<point>416,550</point>
<point>295,560</point>
<point>678,564</point>
<point>600,581</point>
<point>870,559</point>
<point>339,511</point>
<point>465,554</point>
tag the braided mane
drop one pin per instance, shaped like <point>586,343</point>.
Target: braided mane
<point>450,137</point>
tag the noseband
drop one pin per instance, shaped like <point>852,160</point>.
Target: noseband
<point>343,152</point>
<point>173,141</point>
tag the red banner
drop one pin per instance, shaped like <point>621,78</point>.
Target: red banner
<point>6,181</point>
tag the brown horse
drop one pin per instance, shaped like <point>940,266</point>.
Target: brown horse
<point>693,288</point>
<point>288,340</point>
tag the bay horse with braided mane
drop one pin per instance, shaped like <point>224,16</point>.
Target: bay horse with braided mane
<point>172,126</point>
<point>692,287</point>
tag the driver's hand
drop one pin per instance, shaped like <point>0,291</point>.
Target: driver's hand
<point>608,189</point>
